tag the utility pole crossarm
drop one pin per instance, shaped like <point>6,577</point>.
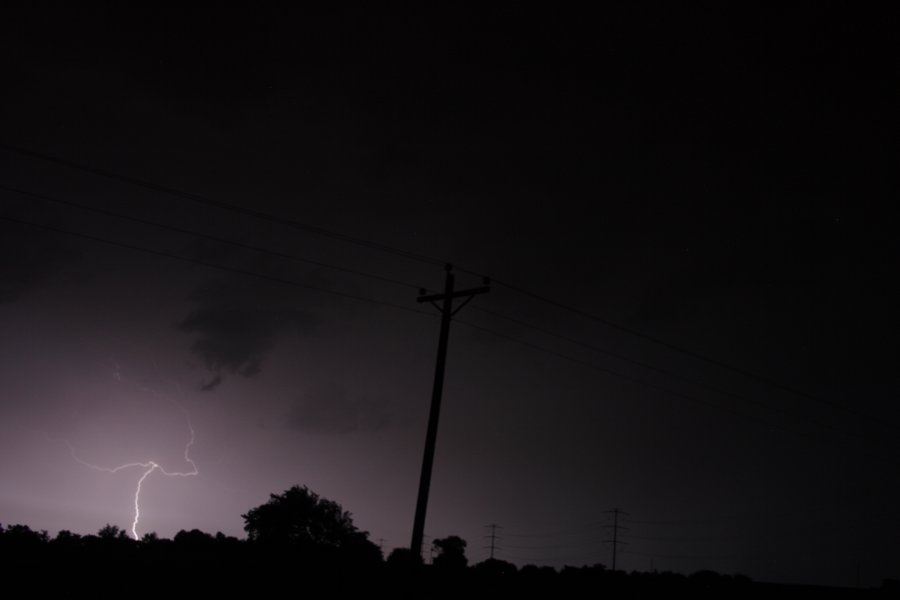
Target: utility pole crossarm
<point>460,294</point>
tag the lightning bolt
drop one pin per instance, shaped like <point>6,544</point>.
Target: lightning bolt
<point>149,467</point>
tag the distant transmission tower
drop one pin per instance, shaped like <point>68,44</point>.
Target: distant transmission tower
<point>493,537</point>
<point>615,529</point>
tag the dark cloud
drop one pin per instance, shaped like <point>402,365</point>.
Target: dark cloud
<point>235,329</point>
<point>231,339</point>
<point>211,384</point>
<point>335,409</point>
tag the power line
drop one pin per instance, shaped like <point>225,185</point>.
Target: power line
<point>585,545</point>
<point>679,377</point>
<point>685,521</point>
<point>328,291</point>
<point>551,534</point>
<point>575,557</point>
<point>587,534</point>
<point>553,546</point>
<point>594,540</point>
<point>686,351</point>
<point>593,536</point>
<point>321,231</point>
<point>583,529</point>
<point>374,301</point>
<point>206,236</point>
<point>675,540</point>
<point>495,314</point>
<point>645,365</point>
<point>203,200</point>
<point>204,263</point>
<point>669,391</point>
<point>613,373</point>
<point>688,557</point>
<point>343,237</point>
<point>546,551</point>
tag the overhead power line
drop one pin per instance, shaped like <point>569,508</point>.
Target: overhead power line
<point>677,394</point>
<point>642,364</point>
<point>686,351</point>
<point>707,557</point>
<point>251,247</point>
<point>203,200</point>
<point>213,238</point>
<point>294,283</point>
<point>608,371</point>
<point>676,376</point>
<point>254,248</point>
<point>204,263</point>
<point>519,322</point>
<point>374,301</point>
<point>321,231</point>
<point>275,279</point>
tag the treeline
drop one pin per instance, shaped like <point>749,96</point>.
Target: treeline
<point>298,542</point>
<point>198,558</point>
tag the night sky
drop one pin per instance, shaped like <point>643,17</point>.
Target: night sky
<point>704,195</point>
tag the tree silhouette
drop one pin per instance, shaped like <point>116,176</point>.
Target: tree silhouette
<point>494,567</point>
<point>21,538</point>
<point>194,540</point>
<point>301,519</point>
<point>112,532</point>
<point>451,553</point>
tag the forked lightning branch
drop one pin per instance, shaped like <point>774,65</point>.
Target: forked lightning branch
<point>149,467</point>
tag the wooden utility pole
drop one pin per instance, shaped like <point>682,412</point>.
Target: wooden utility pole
<point>447,312</point>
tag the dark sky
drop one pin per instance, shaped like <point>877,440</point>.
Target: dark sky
<point>721,180</point>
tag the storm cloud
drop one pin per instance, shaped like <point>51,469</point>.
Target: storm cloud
<point>235,330</point>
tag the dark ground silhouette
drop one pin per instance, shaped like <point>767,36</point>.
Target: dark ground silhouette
<point>301,543</point>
